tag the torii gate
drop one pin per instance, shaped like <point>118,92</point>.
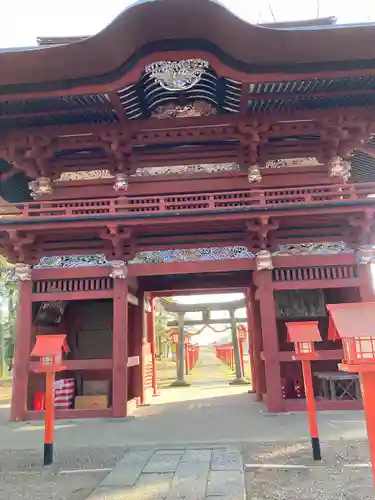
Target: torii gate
<point>206,321</point>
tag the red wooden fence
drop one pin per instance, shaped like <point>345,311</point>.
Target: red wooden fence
<point>182,204</point>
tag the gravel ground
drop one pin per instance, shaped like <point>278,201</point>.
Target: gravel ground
<point>23,477</point>
<point>336,478</point>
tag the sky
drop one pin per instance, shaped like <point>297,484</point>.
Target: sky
<point>21,21</point>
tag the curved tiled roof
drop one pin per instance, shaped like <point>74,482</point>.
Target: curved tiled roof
<point>181,25</point>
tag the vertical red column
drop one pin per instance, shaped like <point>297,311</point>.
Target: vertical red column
<point>252,332</point>
<point>264,294</point>
<point>22,351</point>
<point>152,340</point>
<point>120,348</point>
<point>144,346</point>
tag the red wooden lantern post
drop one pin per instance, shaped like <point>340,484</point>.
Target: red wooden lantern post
<point>354,324</point>
<point>303,335</point>
<point>49,348</point>
<point>241,329</point>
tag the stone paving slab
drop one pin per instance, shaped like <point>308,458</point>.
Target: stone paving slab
<point>189,474</point>
<point>128,469</point>
<point>164,462</point>
<point>228,484</point>
<point>226,459</point>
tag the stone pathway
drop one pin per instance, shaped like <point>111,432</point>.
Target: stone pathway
<point>177,474</point>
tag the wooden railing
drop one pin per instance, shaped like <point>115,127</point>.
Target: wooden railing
<point>183,204</point>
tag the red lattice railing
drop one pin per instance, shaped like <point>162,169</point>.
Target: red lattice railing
<point>73,285</point>
<point>183,204</point>
<point>315,273</point>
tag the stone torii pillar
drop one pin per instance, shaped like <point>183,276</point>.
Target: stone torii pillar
<point>180,381</point>
<point>236,349</point>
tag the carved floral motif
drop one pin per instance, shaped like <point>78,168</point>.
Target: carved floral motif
<point>22,272</point>
<point>190,255</point>
<point>198,108</point>
<point>196,254</point>
<point>119,269</point>
<point>292,162</point>
<point>263,261</point>
<point>177,75</point>
<point>325,248</point>
<point>151,171</point>
<point>73,261</point>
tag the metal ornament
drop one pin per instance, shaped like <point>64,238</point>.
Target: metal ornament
<point>339,168</point>
<point>263,261</point>
<point>254,174</point>
<point>22,272</point>
<point>121,182</point>
<point>119,269</point>
<point>40,187</point>
<point>176,76</point>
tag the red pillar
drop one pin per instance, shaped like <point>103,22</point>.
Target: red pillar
<point>152,340</point>
<point>264,294</point>
<point>22,352</point>
<point>367,388</point>
<point>120,348</point>
<point>144,348</point>
<point>249,299</point>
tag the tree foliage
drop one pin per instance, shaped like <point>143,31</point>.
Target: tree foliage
<point>163,338</point>
<point>8,304</point>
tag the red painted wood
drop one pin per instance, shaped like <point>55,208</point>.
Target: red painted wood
<point>251,329</point>
<point>81,364</point>
<point>152,340</point>
<point>69,273</point>
<point>167,185</point>
<point>120,348</point>
<point>22,352</point>
<point>45,297</point>
<point>270,340</point>
<point>313,284</point>
<point>202,202</point>
<point>325,354</point>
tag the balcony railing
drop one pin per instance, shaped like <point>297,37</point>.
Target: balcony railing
<point>138,206</point>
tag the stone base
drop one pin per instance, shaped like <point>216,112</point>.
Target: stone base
<point>180,383</point>
<point>239,381</point>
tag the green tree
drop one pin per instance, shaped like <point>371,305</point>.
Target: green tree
<point>8,303</point>
<point>163,338</point>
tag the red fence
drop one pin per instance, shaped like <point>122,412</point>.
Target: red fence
<point>225,353</point>
<point>183,204</point>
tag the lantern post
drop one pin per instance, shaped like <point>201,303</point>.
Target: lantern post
<point>303,335</point>
<point>241,329</point>
<point>49,349</point>
<point>354,325</point>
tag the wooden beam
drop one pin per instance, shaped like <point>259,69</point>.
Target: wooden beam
<point>347,116</point>
<point>276,96</point>
<point>117,106</point>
